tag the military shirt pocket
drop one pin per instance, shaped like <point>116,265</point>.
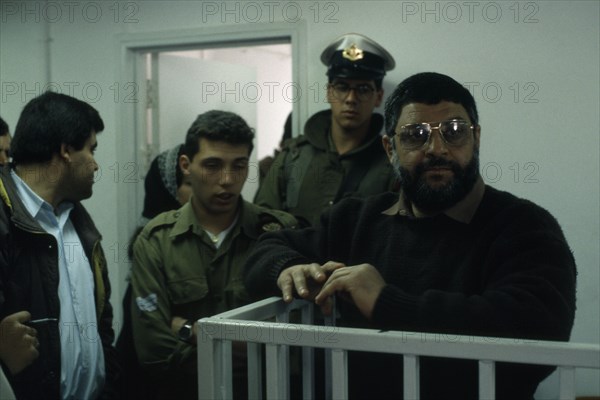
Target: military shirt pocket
<point>188,290</point>
<point>236,293</point>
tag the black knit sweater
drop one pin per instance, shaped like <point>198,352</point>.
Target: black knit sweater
<point>509,272</point>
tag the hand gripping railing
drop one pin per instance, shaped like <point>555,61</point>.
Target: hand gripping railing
<point>248,324</point>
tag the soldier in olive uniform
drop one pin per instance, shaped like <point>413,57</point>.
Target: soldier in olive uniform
<point>187,263</point>
<point>340,153</point>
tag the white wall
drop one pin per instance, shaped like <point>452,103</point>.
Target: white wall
<point>533,67</point>
<point>272,64</point>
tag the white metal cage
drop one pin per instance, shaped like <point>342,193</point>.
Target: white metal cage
<point>251,324</point>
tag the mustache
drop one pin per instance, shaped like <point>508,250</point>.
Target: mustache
<point>436,162</point>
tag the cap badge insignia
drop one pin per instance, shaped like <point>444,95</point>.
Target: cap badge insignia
<point>353,53</point>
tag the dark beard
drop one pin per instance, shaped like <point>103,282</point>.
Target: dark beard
<point>428,199</point>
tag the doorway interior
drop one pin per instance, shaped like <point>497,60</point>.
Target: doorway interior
<point>254,81</point>
<point>235,47</point>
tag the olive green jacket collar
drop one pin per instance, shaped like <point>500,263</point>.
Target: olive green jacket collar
<point>187,221</point>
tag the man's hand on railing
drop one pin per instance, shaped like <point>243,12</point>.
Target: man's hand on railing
<point>359,284</point>
<point>305,279</point>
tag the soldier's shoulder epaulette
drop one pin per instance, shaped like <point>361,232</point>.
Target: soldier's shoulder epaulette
<point>275,220</point>
<point>295,147</point>
<point>293,143</point>
<point>164,220</point>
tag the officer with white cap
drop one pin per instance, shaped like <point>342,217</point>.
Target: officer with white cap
<point>340,153</point>
<point>356,56</point>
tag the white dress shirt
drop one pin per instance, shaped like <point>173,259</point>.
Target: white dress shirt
<point>82,357</point>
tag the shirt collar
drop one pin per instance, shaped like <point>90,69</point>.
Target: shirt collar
<point>463,211</point>
<point>187,219</point>
<point>34,204</point>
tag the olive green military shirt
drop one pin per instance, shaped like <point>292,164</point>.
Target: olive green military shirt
<point>177,271</point>
<point>308,176</point>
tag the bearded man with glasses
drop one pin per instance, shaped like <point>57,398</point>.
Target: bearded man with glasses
<point>447,256</point>
<point>340,153</point>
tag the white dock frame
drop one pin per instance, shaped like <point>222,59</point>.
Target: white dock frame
<point>251,324</point>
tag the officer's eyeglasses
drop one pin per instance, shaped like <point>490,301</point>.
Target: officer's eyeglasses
<point>454,132</point>
<point>341,90</point>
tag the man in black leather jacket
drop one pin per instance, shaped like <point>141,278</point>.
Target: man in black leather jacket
<point>54,287</point>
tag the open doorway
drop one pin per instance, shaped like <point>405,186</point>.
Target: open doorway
<point>253,81</point>
<point>138,117</point>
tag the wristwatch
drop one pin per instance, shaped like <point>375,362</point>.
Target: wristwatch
<point>186,332</point>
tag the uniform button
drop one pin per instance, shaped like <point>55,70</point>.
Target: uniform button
<point>330,202</point>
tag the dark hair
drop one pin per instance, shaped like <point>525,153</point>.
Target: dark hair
<point>287,129</point>
<point>427,88</point>
<point>218,126</point>
<point>50,120</point>
<point>3,127</point>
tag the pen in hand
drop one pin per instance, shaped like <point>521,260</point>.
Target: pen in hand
<point>41,321</point>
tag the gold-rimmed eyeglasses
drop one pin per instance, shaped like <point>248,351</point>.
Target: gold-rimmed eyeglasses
<point>454,132</point>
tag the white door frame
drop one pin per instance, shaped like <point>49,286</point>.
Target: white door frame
<point>130,70</point>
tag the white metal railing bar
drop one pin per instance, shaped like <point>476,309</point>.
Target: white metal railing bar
<point>329,321</point>
<point>216,331</point>
<point>209,369</point>
<point>411,377</point>
<point>216,367</point>
<point>487,380</point>
<point>581,355</point>
<point>566,383</point>
<point>328,372</point>
<point>254,371</point>
<point>262,309</point>
<point>339,374</point>
<point>226,380</point>
<point>211,360</point>
<point>279,385</point>
<point>308,357</point>
<point>278,376</point>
